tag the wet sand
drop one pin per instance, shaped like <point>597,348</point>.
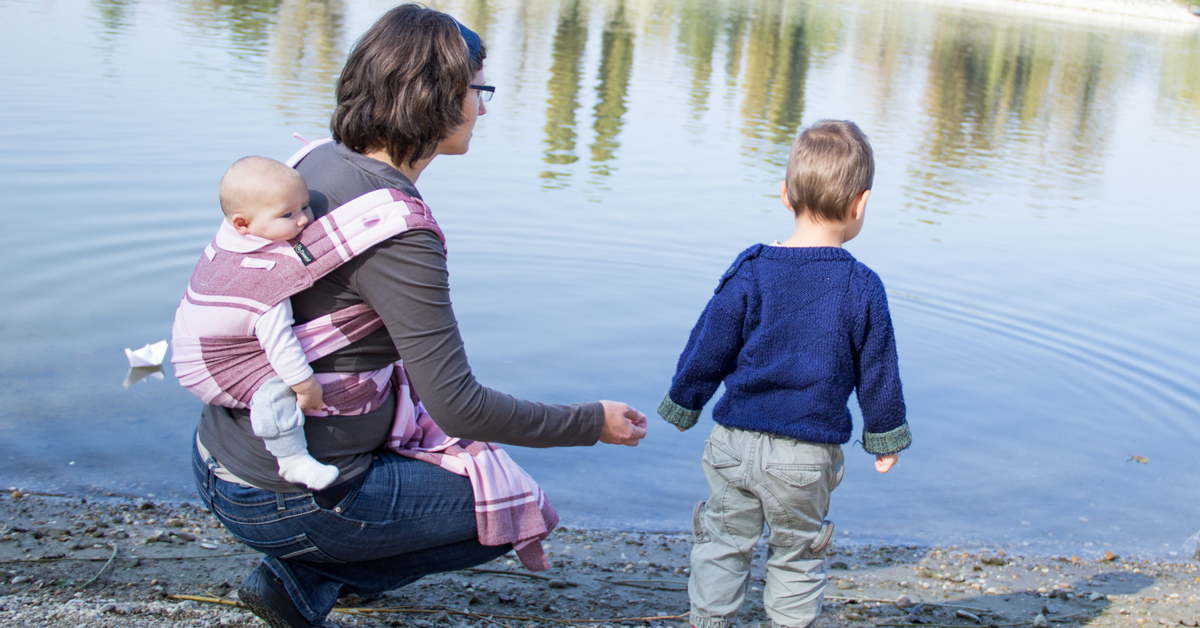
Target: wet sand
<point>70,562</point>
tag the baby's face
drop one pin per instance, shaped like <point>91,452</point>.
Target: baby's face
<point>283,214</point>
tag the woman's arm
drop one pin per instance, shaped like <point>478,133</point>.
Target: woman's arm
<point>405,280</point>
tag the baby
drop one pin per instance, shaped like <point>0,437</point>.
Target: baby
<point>792,330</point>
<point>265,201</point>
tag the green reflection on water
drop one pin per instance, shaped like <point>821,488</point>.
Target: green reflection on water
<point>566,70</point>
<point>1007,95</point>
<point>999,96</point>
<point>114,16</point>
<point>616,65</point>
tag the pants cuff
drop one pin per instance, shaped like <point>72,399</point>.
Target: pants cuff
<point>776,624</point>
<point>704,621</point>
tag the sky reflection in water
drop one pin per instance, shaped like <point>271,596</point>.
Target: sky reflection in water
<point>1032,218</point>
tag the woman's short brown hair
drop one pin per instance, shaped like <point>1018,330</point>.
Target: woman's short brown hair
<point>403,85</point>
<point>831,164</point>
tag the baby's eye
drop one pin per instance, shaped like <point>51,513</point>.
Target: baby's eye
<point>287,215</point>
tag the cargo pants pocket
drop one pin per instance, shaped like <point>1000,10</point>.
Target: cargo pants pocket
<point>697,527</point>
<point>821,541</point>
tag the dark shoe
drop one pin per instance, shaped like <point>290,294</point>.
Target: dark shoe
<point>265,596</point>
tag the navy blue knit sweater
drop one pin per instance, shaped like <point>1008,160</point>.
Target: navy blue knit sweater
<point>791,332</point>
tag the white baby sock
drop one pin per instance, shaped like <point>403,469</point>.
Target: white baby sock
<point>303,469</point>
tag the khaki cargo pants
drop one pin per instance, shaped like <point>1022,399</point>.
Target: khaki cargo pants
<point>755,478</point>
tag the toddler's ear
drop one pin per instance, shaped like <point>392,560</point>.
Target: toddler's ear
<point>860,204</point>
<point>783,196</point>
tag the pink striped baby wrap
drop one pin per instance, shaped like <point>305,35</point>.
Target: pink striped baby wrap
<point>218,358</point>
<point>509,506</point>
<point>240,277</point>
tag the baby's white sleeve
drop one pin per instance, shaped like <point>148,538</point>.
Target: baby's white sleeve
<point>274,333</point>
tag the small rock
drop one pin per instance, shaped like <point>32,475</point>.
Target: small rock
<point>989,559</point>
<point>1040,621</point>
<point>21,579</point>
<point>208,546</point>
<point>352,600</point>
<point>904,601</point>
<point>961,614</point>
<point>122,609</point>
<point>845,585</point>
<point>1095,596</point>
<point>558,584</point>
<point>1109,557</point>
<point>837,564</point>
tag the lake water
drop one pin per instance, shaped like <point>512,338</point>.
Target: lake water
<point>1034,218</point>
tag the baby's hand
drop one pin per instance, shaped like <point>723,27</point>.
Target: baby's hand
<point>308,394</point>
<point>883,464</point>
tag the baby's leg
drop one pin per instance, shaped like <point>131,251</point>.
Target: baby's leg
<point>799,477</point>
<point>275,417</point>
<point>727,526</point>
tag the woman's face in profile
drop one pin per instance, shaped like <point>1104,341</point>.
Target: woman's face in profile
<point>460,140</point>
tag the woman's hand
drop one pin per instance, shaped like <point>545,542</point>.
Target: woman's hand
<point>623,425</point>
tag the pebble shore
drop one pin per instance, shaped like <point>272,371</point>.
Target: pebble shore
<point>70,562</point>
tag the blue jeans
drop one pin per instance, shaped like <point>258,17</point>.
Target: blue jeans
<point>406,519</point>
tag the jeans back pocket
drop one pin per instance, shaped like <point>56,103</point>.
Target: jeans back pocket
<point>297,547</point>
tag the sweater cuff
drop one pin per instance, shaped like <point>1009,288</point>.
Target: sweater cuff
<point>891,442</point>
<point>676,414</point>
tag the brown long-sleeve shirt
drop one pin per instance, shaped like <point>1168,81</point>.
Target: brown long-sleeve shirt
<point>405,280</point>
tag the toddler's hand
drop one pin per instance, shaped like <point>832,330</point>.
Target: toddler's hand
<point>883,464</point>
<point>308,394</point>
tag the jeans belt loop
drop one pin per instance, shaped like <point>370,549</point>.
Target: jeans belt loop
<point>279,502</point>
<point>211,465</point>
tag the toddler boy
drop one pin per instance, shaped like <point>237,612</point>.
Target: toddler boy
<point>792,329</point>
<point>265,202</point>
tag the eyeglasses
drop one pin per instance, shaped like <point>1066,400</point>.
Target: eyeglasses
<point>485,92</point>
